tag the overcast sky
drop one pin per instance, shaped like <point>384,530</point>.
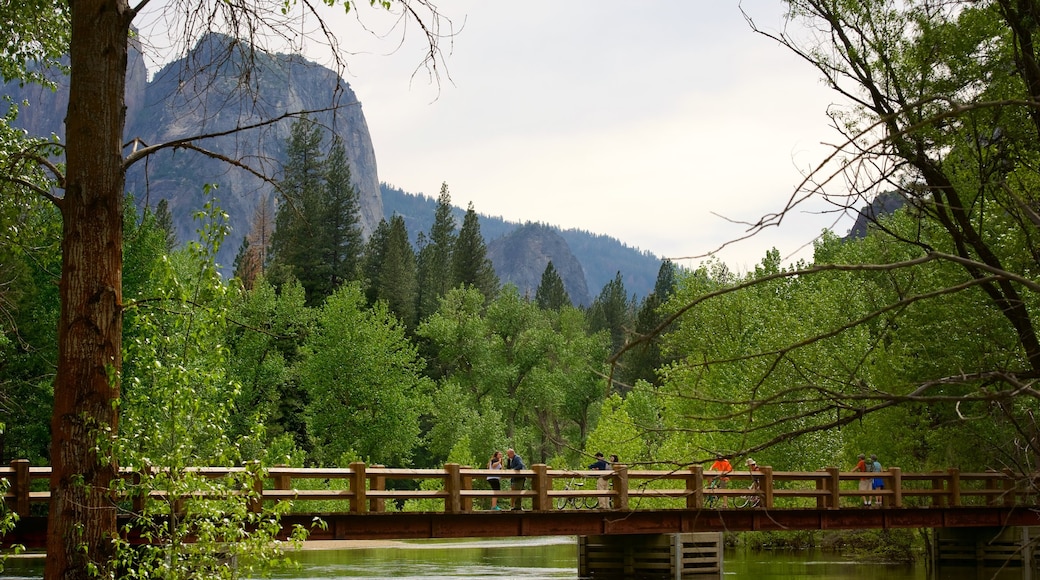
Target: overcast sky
<point>649,121</point>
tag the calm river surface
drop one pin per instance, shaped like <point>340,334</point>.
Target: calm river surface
<point>531,559</point>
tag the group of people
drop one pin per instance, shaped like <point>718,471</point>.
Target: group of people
<point>867,484</point>
<point>512,461</point>
<point>723,466</point>
<point>515,462</point>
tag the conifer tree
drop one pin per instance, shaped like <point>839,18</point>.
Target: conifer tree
<point>643,360</point>
<point>471,264</point>
<point>297,235</point>
<point>612,311</point>
<point>551,293</point>
<point>342,222</point>
<point>435,258</point>
<point>372,261</point>
<point>164,219</point>
<point>396,281</point>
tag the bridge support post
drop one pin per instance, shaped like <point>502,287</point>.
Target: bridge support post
<point>20,486</point>
<point>686,556</point>
<point>983,552</point>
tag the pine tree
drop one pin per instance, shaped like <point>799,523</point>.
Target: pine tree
<point>164,218</point>
<point>435,263</point>
<point>297,234</point>
<point>342,223</point>
<point>397,279</point>
<point>612,311</point>
<point>643,360</point>
<point>551,294</point>
<point>372,261</point>
<point>471,264</point>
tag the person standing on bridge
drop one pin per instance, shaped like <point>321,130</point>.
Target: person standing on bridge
<point>494,481</point>
<point>879,482</point>
<point>513,461</point>
<point>602,483</point>
<point>721,479</point>
<point>864,482</point>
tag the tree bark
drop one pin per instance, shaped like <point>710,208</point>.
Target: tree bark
<point>82,517</point>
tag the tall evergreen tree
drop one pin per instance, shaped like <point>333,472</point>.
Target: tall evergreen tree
<point>164,219</point>
<point>372,260</point>
<point>342,223</point>
<point>470,262</point>
<point>397,280</point>
<point>643,360</point>
<point>612,311</point>
<point>297,235</point>
<point>551,293</point>
<point>435,263</point>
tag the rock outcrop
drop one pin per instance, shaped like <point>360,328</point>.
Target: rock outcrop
<point>520,258</point>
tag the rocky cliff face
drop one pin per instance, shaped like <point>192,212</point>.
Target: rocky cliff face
<point>206,93</point>
<point>520,258</point>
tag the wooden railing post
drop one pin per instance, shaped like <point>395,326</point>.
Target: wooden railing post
<point>21,486</point>
<point>453,485</point>
<point>358,479</point>
<point>620,487</point>
<point>833,485</point>
<point>541,485</point>
<point>767,486</point>
<point>1010,484</point>
<point>466,484</point>
<point>256,499</point>
<point>939,497</point>
<point>954,486</point>
<point>281,481</point>
<point>897,486</point>
<point>377,483</point>
<point>695,488</point>
<point>140,495</point>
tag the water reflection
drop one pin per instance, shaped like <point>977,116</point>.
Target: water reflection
<point>544,559</point>
<point>528,558</point>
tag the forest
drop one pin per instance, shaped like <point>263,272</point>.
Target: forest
<point>916,342</point>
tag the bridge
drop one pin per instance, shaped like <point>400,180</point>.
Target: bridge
<point>656,523</point>
<point>363,502</point>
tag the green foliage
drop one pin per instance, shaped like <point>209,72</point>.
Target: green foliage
<point>34,38</point>
<point>265,345</point>
<point>176,409</point>
<point>364,380</point>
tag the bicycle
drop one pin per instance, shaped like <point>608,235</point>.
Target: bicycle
<point>753,500</point>
<point>713,499</point>
<point>575,502</point>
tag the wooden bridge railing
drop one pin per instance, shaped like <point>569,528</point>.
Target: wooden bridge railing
<point>362,488</point>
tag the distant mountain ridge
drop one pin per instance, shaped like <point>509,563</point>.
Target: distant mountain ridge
<point>599,257</point>
<point>199,94</point>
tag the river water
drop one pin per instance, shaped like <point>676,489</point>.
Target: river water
<point>532,559</point>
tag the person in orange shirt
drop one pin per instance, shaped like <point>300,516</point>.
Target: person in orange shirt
<point>723,467</point>
<point>864,482</point>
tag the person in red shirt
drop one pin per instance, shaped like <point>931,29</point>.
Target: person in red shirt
<point>723,467</point>
<point>864,482</point>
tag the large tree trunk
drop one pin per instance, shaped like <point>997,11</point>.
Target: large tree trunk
<point>82,517</point>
